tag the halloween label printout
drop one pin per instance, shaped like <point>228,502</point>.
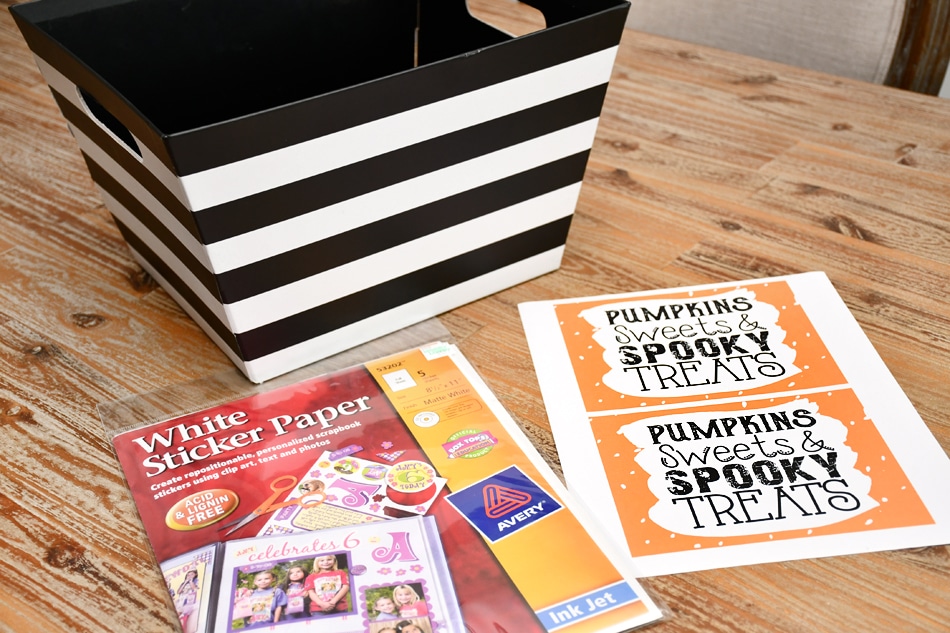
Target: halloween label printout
<point>735,423</point>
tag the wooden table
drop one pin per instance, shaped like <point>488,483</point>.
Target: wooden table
<point>707,166</point>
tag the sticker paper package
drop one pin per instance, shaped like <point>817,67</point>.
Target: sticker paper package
<point>410,475</point>
<point>735,423</point>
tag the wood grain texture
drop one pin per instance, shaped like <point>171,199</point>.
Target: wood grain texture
<point>707,166</point>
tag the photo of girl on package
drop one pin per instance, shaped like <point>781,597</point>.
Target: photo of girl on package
<point>298,598</point>
<point>261,606</point>
<point>328,586</point>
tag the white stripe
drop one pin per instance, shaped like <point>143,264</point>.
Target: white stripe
<point>289,164</point>
<point>163,253</point>
<point>380,267</point>
<point>295,356</point>
<point>302,160</point>
<point>140,193</point>
<point>290,358</point>
<point>321,289</point>
<point>278,238</point>
<point>196,317</point>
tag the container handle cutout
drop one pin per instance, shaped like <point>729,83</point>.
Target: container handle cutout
<point>108,121</point>
<point>510,16</point>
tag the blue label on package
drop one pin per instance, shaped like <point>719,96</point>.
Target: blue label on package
<point>586,606</point>
<point>504,503</point>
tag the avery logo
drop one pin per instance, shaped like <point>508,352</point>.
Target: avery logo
<point>500,500</point>
<point>504,503</point>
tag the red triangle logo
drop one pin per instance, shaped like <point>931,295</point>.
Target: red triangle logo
<point>500,501</point>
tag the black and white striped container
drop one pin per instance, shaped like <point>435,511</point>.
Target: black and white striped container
<point>303,176</point>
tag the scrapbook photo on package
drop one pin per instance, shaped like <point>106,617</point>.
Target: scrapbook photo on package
<point>190,580</point>
<point>343,580</point>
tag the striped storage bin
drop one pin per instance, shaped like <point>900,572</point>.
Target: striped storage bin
<point>306,175</point>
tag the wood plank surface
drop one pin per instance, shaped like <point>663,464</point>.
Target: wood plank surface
<point>707,166</point>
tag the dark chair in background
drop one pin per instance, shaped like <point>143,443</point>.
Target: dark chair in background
<point>901,43</point>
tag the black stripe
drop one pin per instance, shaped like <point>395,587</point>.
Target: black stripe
<point>129,163</point>
<point>230,141</point>
<point>336,314</point>
<point>243,215</point>
<point>193,301</point>
<point>304,196</point>
<point>155,226</point>
<point>341,249</point>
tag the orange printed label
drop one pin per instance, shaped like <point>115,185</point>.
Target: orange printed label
<point>201,509</point>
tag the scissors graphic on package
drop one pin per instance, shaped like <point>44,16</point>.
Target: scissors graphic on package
<point>278,487</point>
